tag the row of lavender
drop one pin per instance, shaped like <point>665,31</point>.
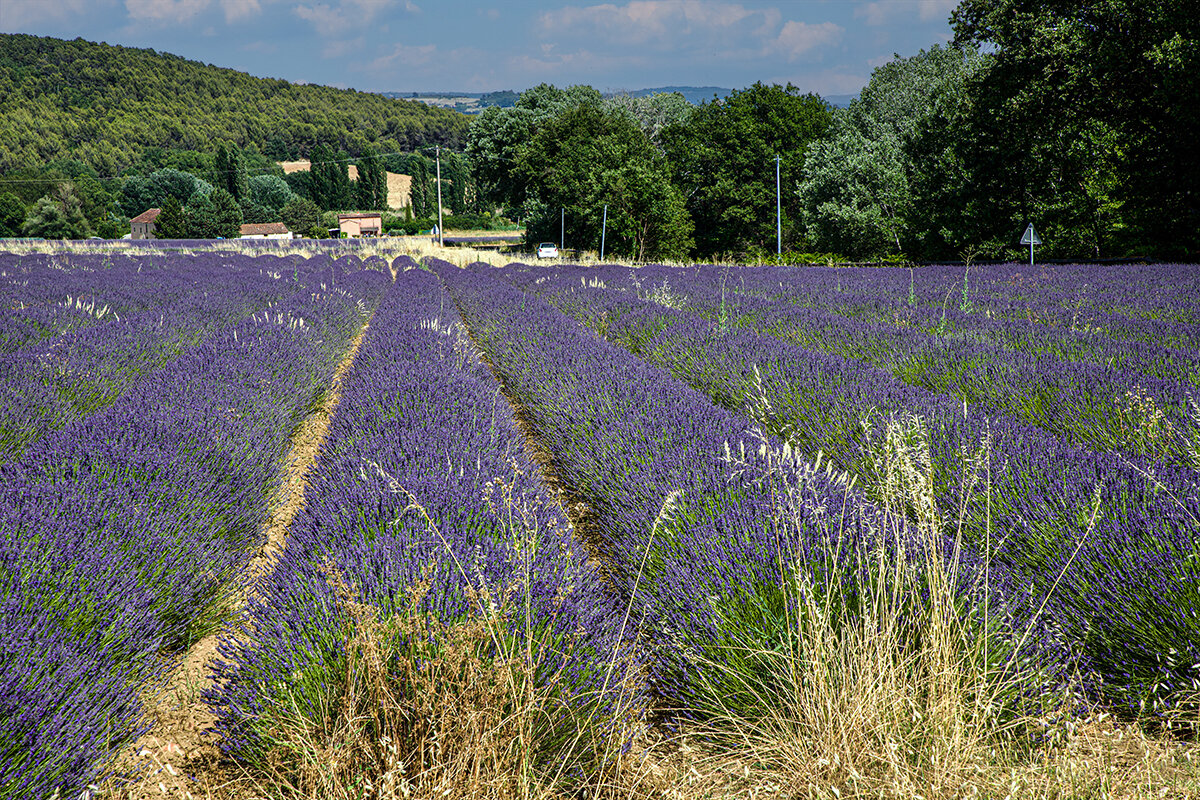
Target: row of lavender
<point>1113,395</point>
<point>424,496</point>
<point>48,295</point>
<point>1059,295</point>
<point>1008,317</point>
<point>122,530</point>
<point>1081,313</point>
<point>1127,596</point>
<point>143,315</point>
<point>701,523</point>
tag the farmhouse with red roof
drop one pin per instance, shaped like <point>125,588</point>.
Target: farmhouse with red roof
<point>142,226</point>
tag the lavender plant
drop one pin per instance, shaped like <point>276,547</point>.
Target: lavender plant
<point>426,519</point>
<point>122,530</point>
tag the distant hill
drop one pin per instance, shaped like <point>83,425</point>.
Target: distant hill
<point>693,94</point>
<point>838,100</point>
<point>106,105</point>
<point>475,102</point>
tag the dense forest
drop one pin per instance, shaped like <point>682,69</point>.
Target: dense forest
<point>1079,118</point>
<point>106,106</point>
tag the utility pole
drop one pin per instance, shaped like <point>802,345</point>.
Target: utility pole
<point>562,226</point>
<point>603,231</point>
<point>778,213</point>
<point>438,156</point>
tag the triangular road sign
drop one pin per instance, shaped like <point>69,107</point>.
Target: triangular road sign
<point>1030,236</point>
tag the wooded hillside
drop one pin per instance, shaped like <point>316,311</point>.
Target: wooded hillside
<point>105,105</point>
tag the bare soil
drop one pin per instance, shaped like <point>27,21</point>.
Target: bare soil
<point>178,757</point>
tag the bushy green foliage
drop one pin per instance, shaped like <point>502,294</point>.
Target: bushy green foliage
<point>497,135</point>
<point>300,215</point>
<point>270,191</point>
<point>12,214</point>
<point>586,159</point>
<point>58,215</point>
<point>253,212</point>
<point>1086,121</point>
<point>329,180</point>
<point>151,191</point>
<point>229,171</point>
<point>370,190</point>
<point>652,112</point>
<point>868,188</point>
<point>171,222</point>
<point>723,161</point>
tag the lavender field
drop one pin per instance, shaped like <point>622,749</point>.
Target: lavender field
<point>663,498</point>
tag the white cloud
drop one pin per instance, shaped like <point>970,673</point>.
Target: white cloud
<point>240,9</point>
<point>165,10</point>
<point>346,15</point>
<point>23,13</point>
<point>721,29</point>
<point>641,21</point>
<point>882,12</point>
<point>403,55</point>
<point>798,38</point>
<point>340,47</point>
<point>168,11</point>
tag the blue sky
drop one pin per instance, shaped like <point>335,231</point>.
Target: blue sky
<point>825,46</point>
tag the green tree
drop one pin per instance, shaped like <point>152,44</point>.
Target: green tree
<point>12,214</point>
<point>213,216</point>
<point>330,179</point>
<point>584,159</point>
<point>226,215</point>
<point>229,170</point>
<point>301,215</point>
<point>270,191</point>
<point>114,108</point>
<point>172,222</point>
<point>723,163</point>
<point>497,135</point>
<point>371,186</point>
<point>255,212</point>
<point>884,179</point>
<point>1086,121</point>
<point>652,112</point>
<point>58,215</point>
<point>139,193</point>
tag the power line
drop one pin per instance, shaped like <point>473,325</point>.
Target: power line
<point>216,172</point>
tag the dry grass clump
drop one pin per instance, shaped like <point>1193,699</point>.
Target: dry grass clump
<point>429,710</point>
<point>902,695</point>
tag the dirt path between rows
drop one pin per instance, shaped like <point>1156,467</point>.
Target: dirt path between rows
<point>176,758</point>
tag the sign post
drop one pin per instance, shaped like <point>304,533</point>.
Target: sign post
<point>603,231</point>
<point>1030,238</point>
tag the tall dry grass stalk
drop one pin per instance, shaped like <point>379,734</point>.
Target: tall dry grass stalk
<point>891,695</point>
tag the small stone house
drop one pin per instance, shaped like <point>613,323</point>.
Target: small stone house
<point>354,226</point>
<point>265,230</point>
<point>142,226</point>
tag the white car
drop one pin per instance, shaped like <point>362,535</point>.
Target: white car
<point>547,250</point>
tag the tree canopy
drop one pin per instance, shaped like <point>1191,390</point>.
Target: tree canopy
<point>107,106</point>
<point>878,182</point>
<point>1087,118</point>
<point>723,161</point>
<point>58,215</point>
<point>584,159</point>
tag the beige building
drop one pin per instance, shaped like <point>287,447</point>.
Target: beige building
<point>354,226</point>
<point>142,226</point>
